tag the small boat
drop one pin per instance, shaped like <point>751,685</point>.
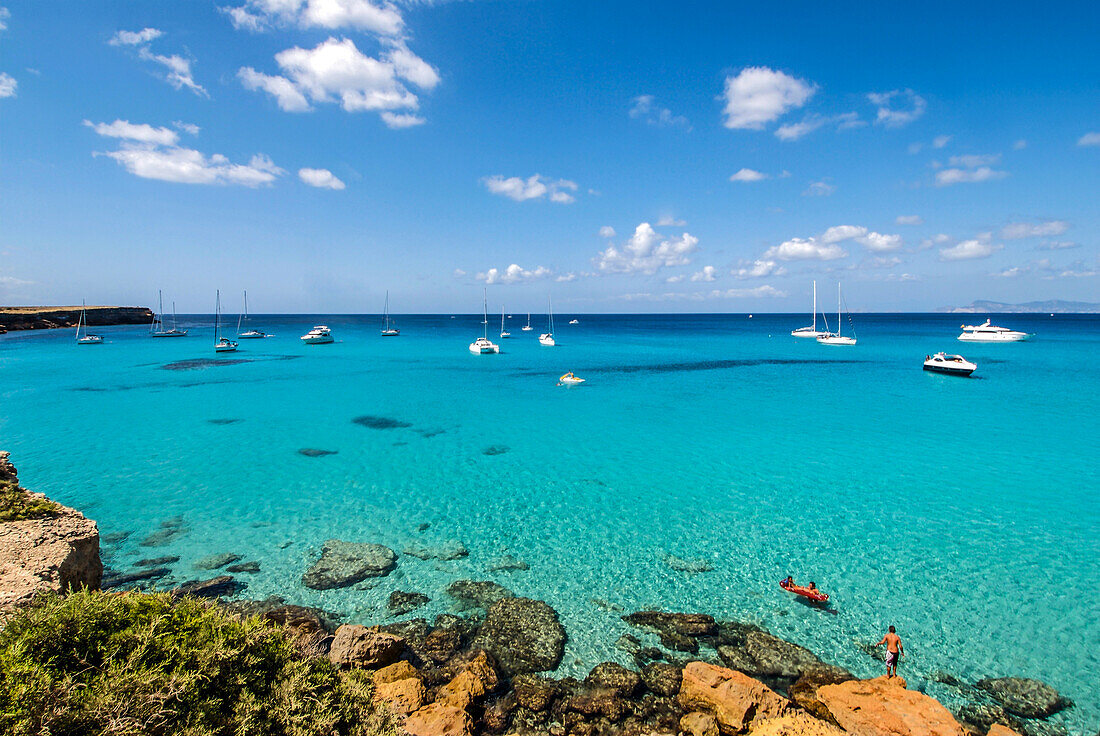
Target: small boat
<point>528,327</point>
<point>319,335</point>
<point>831,338</point>
<point>221,344</point>
<point>157,327</point>
<point>547,338</point>
<point>503,332</point>
<point>954,365</point>
<point>574,321</point>
<point>812,594</point>
<point>986,332</point>
<point>810,331</point>
<point>570,380</point>
<point>482,345</point>
<point>252,334</point>
<point>388,328</point>
<point>87,338</point>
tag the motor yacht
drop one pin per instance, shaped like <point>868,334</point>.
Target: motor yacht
<point>954,365</point>
<point>987,332</point>
<point>319,335</point>
<point>574,321</point>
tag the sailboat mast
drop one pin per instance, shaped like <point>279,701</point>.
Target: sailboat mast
<point>502,318</point>
<point>485,314</point>
<point>815,305</point>
<point>217,314</point>
<point>838,309</point>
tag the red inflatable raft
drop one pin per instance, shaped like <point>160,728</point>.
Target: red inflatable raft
<point>814,595</point>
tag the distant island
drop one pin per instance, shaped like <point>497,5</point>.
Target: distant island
<point>1051,306</point>
<point>47,318</point>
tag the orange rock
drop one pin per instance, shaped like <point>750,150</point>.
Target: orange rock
<point>795,724</point>
<point>394,672</point>
<point>462,690</point>
<point>699,723</point>
<point>998,730</point>
<point>439,719</point>
<point>402,696</point>
<point>736,699</point>
<point>884,707</point>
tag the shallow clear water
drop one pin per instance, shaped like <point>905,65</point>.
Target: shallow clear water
<point>965,512</point>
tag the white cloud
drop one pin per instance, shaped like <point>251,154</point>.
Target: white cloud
<point>320,178</point>
<point>947,177</point>
<point>179,71</point>
<point>940,141</point>
<point>566,277</point>
<point>190,128</point>
<point>668,221</point>
<point>909,220</point>
<point>804,249</point>
<point>873,241</point>
<point>819,189</point>
<point>533,187</point>
<point>362,15</point>
<point>1019,145</point>
<point>1057,245</point>
<point>135,38</point>
<point>607,231</point>
<point>459,273</point>
<point>757,292</point>
<point>707,274</point>
<point>643,108</point>
<point>967,250</point>
<point>674,279</point>
<point>880,243</point>
<point>514,274</point>
<point>335,71</point>
<point>646,252</point>
<point>794,131</point>
<point>759,95</point>
<point>758,269</point>
<point>840,233</point>
<point>1018,230</point>
<point>748,175</point>
<point>891,117</point>
<point>8,85</point>
<point>139,132</point>
<point>1089,139</point>
<point>4,15</point>
<point>974,160</point>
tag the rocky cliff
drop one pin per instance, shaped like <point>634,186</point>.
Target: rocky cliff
<point>55,550</point>
<point>45,318</point>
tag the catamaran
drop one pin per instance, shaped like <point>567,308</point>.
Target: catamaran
<point>482,345</point>
<point>252,334</point>
<point>503,332</point>
<point>547,338</point>
<point>388,329</point>
<point>221,344</point>
<point>810,331</point>
<point>157,328</point>
<point>528,327</point>
<point>87,338</point>
<point>831,338</point>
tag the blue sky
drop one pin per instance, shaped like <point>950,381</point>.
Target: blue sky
<point>623,156</point>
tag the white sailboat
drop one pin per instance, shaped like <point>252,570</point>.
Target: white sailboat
<point>252,334</point>
<point>831,338</point>
<point>547,338</point>
<point>503,332</point>
<point>482,345</point>
<point>157,328</point>
<point>86,338</point>
<point>221,344</point>
<point>388,328</point>
<point>810,331</point>
<point>528,327</point>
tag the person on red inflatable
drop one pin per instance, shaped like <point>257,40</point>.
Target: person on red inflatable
<point>894,651</point>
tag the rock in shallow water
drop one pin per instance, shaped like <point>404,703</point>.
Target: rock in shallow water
<point>316,452</point>
<point>679,564</point>
<point>213,562</point>
<point>221,586</point>
<point>157,561</point>
<point>524,635</point>
<point>401,602</point>
<point>477,593</point>
<point>163,537</point>
<point>244,567</point>
<point>346,563</point>
<point>358,646</point>
<point>373,422</point>
<point>507,563</point>
<point>1023,697</point>
<point>449,550</point>
<point>112,579</point>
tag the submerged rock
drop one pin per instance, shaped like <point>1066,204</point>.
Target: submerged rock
<point>533,692</point>
<point>213,562</point>
<point>114,537</point>
<point>449,550</point>
<point>373,422</point>
<point>224,421</point>
<point>524,635</point>
<point>760,654</point>
<point>678,631</point>
<point>663,678</point>
<point>219,587</point>
<point>112,579</point>
<point>477,593</point>
<point>1024,697</point>
<point>615,678</point>
<point>495,450</point>
<point>157,561</point>
<point>315,452</point>
<point>401,602</point>
<point>346,563</point>
<point>507,563</point>
<point>244,567</point>
<point>276,610</point>
<point>679,564</point>
<point>162,537</point>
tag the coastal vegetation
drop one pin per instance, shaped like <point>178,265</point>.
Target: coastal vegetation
<point>17,504</point>
<point>134,663</point>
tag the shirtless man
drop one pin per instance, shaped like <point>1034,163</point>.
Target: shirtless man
<point>894,651</point>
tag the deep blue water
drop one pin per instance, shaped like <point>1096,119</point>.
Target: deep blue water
<point>964,511</point>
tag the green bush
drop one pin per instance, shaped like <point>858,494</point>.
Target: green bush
<point>135,663</point>
<point>16,504</point>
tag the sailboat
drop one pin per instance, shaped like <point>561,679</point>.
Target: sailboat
<point>503,332</point>
<point>547,338</point>
<point>87,338</point>
<point>221,344</point>
<point>831,338</point>
<point>482,345</point>
<point>252,334</point>
<point>388,330</point>
<point>157,328</point>
<point>528,327</point>
<point>810,331</point>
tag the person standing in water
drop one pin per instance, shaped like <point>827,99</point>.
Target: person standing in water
<point>894,651</point>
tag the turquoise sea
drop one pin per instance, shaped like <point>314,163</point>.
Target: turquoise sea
<point>966,512</point>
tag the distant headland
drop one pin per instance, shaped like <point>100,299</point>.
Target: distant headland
<point>47,318</point>
<point>1051,306</point>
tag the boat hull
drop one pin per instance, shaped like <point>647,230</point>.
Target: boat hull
<point>949,371</point>
<point>317,340</point>
<point>171,333</point>
<point>836,341</point>
<point>390,333</point>
<point>807,332</point>
<point>1001,337</point>
<point>251,336</point>
<point>90,340</point>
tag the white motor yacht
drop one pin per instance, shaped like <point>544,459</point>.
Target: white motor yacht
<point>319,335</point>
<point>483,345</point>
<point>986,332</point>
<point>812,330</point>
<point>954,365</point>
<point>574,321</point>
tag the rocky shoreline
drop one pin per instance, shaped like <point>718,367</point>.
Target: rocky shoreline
<point>46,318</point>
<point>484,669</point>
